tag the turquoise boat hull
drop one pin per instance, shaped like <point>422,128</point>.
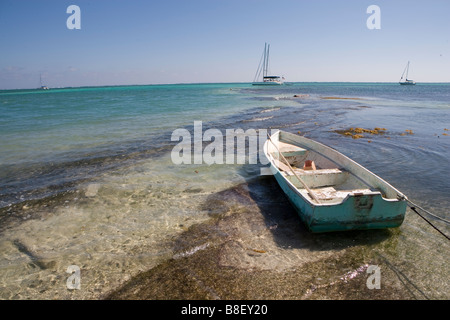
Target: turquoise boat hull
<point>380,206</point>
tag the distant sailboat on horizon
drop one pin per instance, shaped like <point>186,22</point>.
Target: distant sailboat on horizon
<point>407,81</point>
<point>264,68</point>
<point>42,87</point>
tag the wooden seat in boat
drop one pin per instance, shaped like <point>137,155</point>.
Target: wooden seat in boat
<point>318,178</point>
<point>330,193</point>
<point>317,171</point>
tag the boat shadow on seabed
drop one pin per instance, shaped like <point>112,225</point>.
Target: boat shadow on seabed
<point>289,231</point>
<point>255,247</point>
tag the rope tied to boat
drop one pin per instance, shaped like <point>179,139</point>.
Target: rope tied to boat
<point>414,208</point>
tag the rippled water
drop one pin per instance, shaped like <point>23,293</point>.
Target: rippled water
<point>86,176</point>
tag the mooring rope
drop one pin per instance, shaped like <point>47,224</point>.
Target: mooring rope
<point>413,207</point>
<point>437,217</point>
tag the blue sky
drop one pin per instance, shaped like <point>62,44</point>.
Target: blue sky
<point>180,41</point>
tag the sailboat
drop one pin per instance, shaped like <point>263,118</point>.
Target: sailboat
<point>407,81</point>
<point>42,87</point>
<point>264,68</point>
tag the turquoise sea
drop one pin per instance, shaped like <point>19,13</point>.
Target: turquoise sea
<point>87,179</point>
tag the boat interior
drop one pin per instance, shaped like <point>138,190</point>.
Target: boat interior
<point>330,183</point>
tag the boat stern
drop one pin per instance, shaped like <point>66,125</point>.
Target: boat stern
<point>359,212</point>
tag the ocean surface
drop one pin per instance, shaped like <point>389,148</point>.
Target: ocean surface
<point>87,178</point>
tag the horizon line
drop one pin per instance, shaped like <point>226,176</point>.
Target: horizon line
<point>194,83</point>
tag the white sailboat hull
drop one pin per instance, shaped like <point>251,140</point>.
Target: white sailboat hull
<point>267,83</point>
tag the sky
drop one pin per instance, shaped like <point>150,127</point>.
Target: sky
<point>193,41</point>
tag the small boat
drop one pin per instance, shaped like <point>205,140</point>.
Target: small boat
<point>42,87</point>
<point>330,191</point>
<point>264,68</point>
<point>407,81</point>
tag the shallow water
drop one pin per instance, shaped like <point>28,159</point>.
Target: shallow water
<point>87,179</point>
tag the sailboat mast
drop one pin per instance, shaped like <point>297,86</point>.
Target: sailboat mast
<point>407,70</point>
<point>265,61</point>
<point>267,66</point>
<point>401,78</point>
